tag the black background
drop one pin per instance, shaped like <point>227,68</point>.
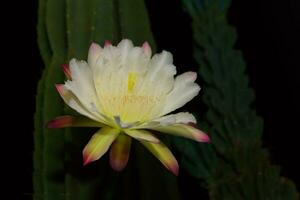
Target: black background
<point>268,36</point>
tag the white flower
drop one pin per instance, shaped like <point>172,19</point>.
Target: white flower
<point>128,93</point>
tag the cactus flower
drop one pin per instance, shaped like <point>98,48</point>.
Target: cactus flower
<point>128,94</point>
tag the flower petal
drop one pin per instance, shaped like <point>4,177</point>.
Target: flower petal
<point>67,71</point>
<point>71,100</point>
<point>184,90</point>
<point>142,135</point>
<point>164,155</point>
<point>99,144</point>
<point>162,71</point>
<point>119,152</point>
<point>94,53</point>
<point>178,118</point>
<point>71,121</point>
<point>183,130</point>
<point>147,49</point>
<point>159,61</point>
<point>107,43</point>
<point>82,86</point>
<point>125,47</point>
<point>137,61</point>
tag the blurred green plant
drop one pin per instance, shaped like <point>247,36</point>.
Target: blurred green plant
<point>235,166</point>
<point>66,28</point>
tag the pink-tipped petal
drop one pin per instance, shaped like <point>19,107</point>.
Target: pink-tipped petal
<point>71,121</point>
<point>164,155</point>
<point>61,122</point>
<point>66,70</point>
<point>94,53</point>
<point>94,47</point>
<point>86,160</point>
<point>199,135</point>
<point>191,76</point>
<point>174,168</point>
<point>119,152</point>
<point>206,139</point>
<point>71,100</point>
<point>146,49</point>
<point>99,144</point>
<point>107,43</point>
<point>183,130</point>
<point>60,89</point>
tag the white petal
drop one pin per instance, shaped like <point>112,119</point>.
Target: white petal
<point>184,90</point>
<point>125,47</point>
<point>165,79</point>
<point>178,118</point>
<point>94,53</point>
<point>82,86</point>
<point>159,79</point>
<point>71,100</point>
<point>157,63</point>
<point>137,61</point>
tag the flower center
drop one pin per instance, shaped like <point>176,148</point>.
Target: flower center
<point>131,108</point>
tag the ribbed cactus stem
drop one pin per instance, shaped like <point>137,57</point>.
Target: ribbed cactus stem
<point>235,166</point>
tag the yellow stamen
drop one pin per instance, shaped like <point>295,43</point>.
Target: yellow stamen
<point>131,81</point>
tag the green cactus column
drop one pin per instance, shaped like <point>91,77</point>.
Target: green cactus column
<point>236,166</point>
<point>66,28</point>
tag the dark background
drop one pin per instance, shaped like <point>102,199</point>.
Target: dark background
<point>268,36</point>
